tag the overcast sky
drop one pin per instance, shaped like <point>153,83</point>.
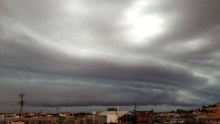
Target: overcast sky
<point>70,53</point>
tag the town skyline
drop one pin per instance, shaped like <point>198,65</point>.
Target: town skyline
<point>206,114</point>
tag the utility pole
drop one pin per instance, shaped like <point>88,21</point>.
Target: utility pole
<point>21,102</point>
<point>57,110</point>
<point>135,113</point>
<point>135,107</point>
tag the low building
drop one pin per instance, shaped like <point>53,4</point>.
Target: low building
<point>2,119</point>
<point>144,117</point>
<point>115,117</point>
<point>168,117</point>
<point>213,118</point>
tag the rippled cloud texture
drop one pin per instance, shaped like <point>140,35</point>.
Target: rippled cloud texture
<point>110,52</point>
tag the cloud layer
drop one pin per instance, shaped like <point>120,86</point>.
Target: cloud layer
<point>94,52</point>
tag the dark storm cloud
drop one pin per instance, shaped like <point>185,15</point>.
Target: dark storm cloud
<point>94,52</point>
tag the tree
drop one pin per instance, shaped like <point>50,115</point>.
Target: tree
<point>204,106</point>
<point>111,109</point>
<point>179,111</point>
<point>204,110</point>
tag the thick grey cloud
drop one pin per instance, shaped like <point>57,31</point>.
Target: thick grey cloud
<point>94,52</point>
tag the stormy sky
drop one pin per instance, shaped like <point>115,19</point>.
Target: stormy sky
<point>70,53</point>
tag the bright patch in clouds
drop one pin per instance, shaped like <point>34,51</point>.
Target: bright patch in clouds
<point>142,27</point>
<point>75,8</point>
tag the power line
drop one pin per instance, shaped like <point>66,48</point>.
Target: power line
<point>8,102</point>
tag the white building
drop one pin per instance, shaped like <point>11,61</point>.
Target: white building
<point>113,116</point>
